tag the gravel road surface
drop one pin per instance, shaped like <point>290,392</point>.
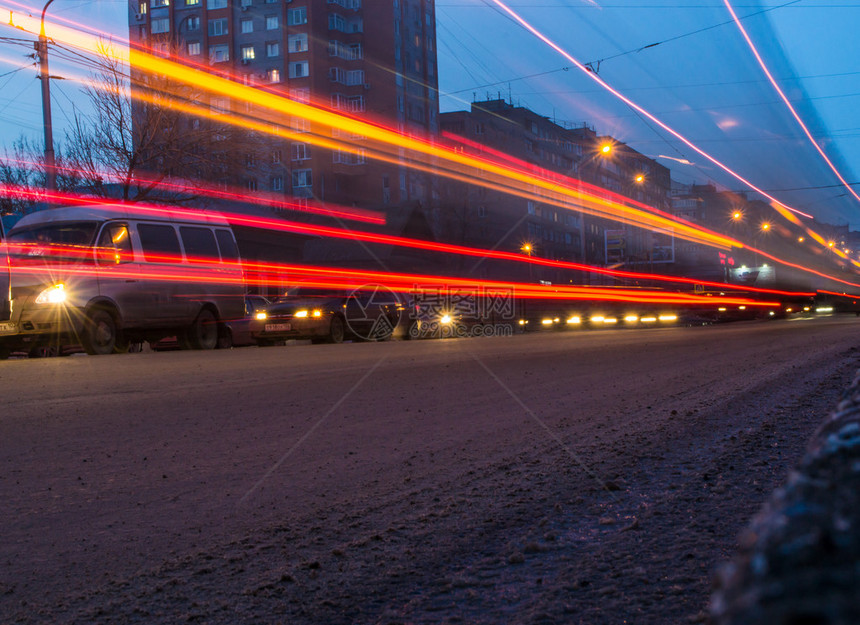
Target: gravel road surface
<point>585,477</point>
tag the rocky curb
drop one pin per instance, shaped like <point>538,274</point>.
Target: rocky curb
<point>799,560</point>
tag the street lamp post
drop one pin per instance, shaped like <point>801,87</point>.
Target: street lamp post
<point>44,75</point>
<point>528,249</point>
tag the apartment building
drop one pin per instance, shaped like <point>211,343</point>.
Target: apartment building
<point>488,217</point>
<point>372,59</point>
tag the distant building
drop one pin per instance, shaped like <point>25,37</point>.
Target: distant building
<point>474,214</point>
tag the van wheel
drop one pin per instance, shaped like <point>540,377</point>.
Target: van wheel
<point>100,335</point>
<point>225,338</point>
<point>203,333</point>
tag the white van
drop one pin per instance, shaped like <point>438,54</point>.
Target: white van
<point>105,276</point>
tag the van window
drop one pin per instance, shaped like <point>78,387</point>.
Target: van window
<point>62,242</point>
<point>229,251</point>
<point>115,245</point>
<point>160,243</point>
<point>200,246</point>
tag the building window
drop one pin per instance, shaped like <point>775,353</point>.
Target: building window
<point>247,26</point>
<point>192,23</point>
<point>252,184</point>
<point>479,128</point>
<point>273,75</point>
<point>218,27</point>
<point>276,156</point>
<point>219,53</point>
<point>142,8</point>
<point>302,95</point>
<point>355,103</point>
<point>160,25</point>
<point>302,178</point>
<point>301,151</point>
<point>298,43</point>
<point>277,183</point>
<point>248,53</point>
<point>345,157</point>
<point>355,77</point>
<point>216,4</point>
<point>336,22</point>
<point>272,49</point>
<point>272,22</point>
<point>298,124</point>
<point>350,52</point>
<point>192,3</point>
<point>246,3</point>
<point>297,16</point>
<point>299,70</point>
<point>194,48</point>
<point>160,3</point>
<point>219,106</point>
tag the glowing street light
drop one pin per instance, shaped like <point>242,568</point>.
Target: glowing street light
<point>527,249</point>
<point>800,239</point>
<point>765,226</point>
<point>640,178</point>
<point>737,215</point>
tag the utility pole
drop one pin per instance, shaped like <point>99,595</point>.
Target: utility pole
<point>44,75</point>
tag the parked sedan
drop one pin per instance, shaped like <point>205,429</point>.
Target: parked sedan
<point>370,315</point>
<point>240,332</point>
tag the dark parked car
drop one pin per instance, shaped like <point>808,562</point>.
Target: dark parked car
<point>236,332</point>
<point>240,332</point>
<point>369,315</point>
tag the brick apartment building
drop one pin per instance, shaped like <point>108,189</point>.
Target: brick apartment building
<point>476,215</point>
<point>374,59</point>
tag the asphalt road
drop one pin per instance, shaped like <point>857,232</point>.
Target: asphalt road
<point>476,479</point>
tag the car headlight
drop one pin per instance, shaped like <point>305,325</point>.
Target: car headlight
<point>260,315</point>
<point>55,294</point>
<point>446,319</point>
<point>317,313</point>
<point>301,313</point>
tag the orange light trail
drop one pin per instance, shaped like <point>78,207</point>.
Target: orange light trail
<point>390,139</point>
<point>387,139</point>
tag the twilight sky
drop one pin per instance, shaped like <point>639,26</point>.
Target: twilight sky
<point>702,80</point>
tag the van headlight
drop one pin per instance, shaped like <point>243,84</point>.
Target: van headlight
<point>260,315</point>
<point>55,294</point>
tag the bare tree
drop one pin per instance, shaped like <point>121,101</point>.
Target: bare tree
<point>142,141</point>
<point>22,176</point>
